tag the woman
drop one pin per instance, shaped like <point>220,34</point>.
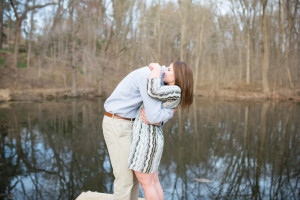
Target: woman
<point>147,143</point>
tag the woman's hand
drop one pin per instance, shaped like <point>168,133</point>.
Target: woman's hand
<point>155,70</point>
<point>154,66</point>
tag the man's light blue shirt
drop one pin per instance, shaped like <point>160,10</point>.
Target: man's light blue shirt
<point>129,95</point>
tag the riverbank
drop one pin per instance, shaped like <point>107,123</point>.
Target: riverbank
<point>293,96</point>
<point>55,80</point>
<point>41,94</point>
<point>45,94</point>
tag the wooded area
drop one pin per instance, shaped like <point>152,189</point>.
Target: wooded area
<point>245,45</point>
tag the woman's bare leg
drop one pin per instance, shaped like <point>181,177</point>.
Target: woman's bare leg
<point>151,185</point>
<point>158,186</point>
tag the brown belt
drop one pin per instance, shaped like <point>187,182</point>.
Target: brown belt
<point>117,116</point>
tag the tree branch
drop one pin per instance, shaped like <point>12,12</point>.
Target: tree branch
<point>33,8</point>
<point>14,7</point>
<point>23,16</point>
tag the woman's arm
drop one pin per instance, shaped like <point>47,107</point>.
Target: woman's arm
<point>155,70</point>
<point>154,88</point>
<point>164,93</point>
<point>154,110</point>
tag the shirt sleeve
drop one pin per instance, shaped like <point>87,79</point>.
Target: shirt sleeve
<point>155,113</point>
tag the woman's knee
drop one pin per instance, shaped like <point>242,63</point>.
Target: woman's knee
<point>145,180</point>
<point>155,176</point>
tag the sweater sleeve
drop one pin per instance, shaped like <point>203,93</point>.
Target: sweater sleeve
<point>163,93</point>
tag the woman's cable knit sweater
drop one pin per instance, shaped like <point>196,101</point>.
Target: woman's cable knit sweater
<point>148,140</point>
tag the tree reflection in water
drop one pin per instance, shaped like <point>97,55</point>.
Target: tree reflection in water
<point>249,150</point>
<point>53,150</point>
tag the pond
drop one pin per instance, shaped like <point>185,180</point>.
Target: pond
<point>220,149</point>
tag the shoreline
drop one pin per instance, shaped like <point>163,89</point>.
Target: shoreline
<point>41,94</point>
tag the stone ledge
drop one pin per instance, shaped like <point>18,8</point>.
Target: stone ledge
<point>96,196</point>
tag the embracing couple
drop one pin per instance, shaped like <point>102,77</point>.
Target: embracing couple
<point>132,126</point>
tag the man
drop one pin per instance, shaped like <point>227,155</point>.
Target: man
<point>121,108</point>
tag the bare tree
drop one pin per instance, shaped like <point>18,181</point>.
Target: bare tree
<point>56,24</point>
<point>222,48</point>
<point>19,19</point>
<point>72,5</point>
<point>30,36</point>
<point>184,10</point>
<point>198,51</point>
<point>265,50</point>
<point>284,41</point>
<point>122,13</point>
<point>1,22</point>
<point>250,10</point>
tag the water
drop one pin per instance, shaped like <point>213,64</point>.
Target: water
<point>219,150</point>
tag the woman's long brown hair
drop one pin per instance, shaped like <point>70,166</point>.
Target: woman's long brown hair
<point>184,79</point>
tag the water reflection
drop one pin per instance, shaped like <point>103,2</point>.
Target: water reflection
<point>249,150</point>
<point>53,150</point>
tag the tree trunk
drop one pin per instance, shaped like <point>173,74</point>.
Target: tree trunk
<point>1,22</point>
<point>30,36</point>
<point>218,73</point>
<point>95,35</point>
<point>17,43</point>
<point>74,82</point>
<point>265,51</point>
<point>74,76</point>
<point>157,35</point>
<point>198,54</point>
<point>72,56</point>
<point>182,41</point>
<point>248,53</point>
<point>278,51</point>
<point>184,14</point>
<point>286,49</point>
<point>196,73</point>
<point>240,54</point>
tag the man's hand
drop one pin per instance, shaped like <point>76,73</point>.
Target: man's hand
<point>144,119</point>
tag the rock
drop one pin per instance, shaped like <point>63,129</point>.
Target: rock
<point>96,196</point>
<point>5,95</point>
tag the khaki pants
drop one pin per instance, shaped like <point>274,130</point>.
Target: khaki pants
<point>117,134</point>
